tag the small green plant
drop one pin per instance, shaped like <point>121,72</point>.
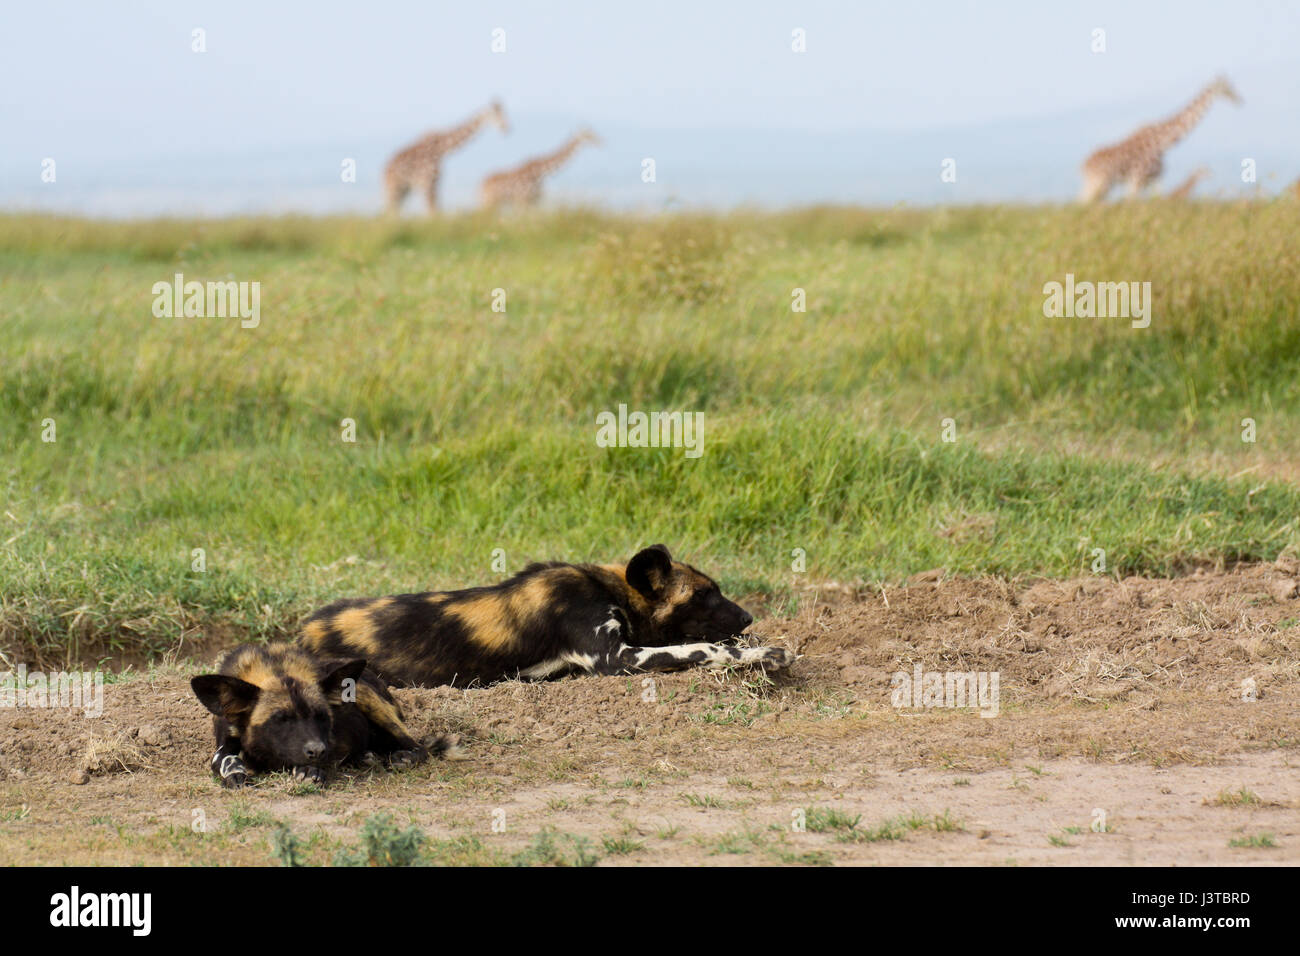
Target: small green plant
<point>823,819</point>
<point>621,846</point>
<point>1258,841</point>
<point>738,709</point>
<point>886,830</point>
<point>552,848</point>
<point>737,842</point>
<point>707,800</point>
<point>944,823</point>
<point>285,846</point>
<point>894,828</point>
<point>383,843</point>
<point>807,858</point>
<point>1235,798</point>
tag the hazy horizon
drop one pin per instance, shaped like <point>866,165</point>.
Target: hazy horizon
<point>261,122</point>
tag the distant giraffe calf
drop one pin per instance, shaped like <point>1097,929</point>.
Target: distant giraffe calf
<point>523,184</point>
<point>1139,160</point>
<point>419,165</point>
<point>1184,189</point>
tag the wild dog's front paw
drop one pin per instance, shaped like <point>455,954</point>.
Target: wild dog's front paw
<point>309,775</point>
<point>776,658</point>
<point>403,759</point>
<point>230,770</point>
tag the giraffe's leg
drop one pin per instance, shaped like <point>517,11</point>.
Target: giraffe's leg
<point>395,190</point>
<point>397,193</point>
<point>1142,178</point>
<point>431,193</point>
<point>1095,187</point>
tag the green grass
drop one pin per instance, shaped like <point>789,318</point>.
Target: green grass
<point>1257,841</point>
<point>241,817</point>
<point>476,430</point>
<point>621,845</point>
<point>379,842</point>
<point>847,828</point>
<point>1236,798</point>
<point>827,819</point>
<point>707,801</point>
<point>553,848</point>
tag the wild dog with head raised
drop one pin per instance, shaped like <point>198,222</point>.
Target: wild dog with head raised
<point>652,614</point>
<point>280,707</point>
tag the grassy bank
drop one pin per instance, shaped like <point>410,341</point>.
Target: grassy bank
<point>475,429</point>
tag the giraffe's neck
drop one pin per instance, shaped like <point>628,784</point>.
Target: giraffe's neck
<point>1185,120</point>
<point>552,161</point>
<point>458,136</point>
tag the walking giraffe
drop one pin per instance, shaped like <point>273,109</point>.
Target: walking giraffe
<point>1183,190</point>
<point>523,184</point>
<point>419,165</point>
<point>1139,160</point>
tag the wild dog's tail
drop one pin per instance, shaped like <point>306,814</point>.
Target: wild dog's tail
<point>446,746</point>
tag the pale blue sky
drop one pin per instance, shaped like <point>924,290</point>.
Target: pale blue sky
<point>114,93</point>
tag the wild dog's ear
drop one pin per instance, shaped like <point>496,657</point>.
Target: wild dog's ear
<point>227,697</point>
<point>650,570</point>
<point>339,672</point>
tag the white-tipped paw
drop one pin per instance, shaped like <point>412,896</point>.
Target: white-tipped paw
<point>776,658</point>
<point>309,775</point>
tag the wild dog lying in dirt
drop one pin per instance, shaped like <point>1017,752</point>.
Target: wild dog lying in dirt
<point>652,614</point>
<point>279,707</point>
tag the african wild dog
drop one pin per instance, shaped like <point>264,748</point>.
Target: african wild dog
<point>652,614</point>
<point>280,707</point>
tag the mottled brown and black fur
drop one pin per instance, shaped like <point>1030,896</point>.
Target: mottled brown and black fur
<point>651,614</point>
<point>280,707</point>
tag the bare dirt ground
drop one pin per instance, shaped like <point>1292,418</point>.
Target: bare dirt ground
<point>1147,722</point>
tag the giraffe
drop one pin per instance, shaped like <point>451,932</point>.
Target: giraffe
<point>1185,189</point>
<point>523,184</point>
<point>1138,160</point>
<point>420,164</point>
